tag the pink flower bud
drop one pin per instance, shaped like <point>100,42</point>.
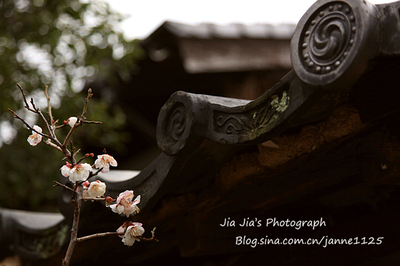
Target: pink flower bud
<point>109,200</point>
<point>86,184</point>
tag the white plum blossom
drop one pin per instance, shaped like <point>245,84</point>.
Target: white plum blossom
<point>35,138</point>
<point>104,161</point>
<point>96,189</point>
<point>65,169</point>
<point>132,231</point>
<point>125,205</point>
<point>71,121</point>
<point>80,172</point>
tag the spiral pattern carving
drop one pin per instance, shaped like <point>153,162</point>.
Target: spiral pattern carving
<point>327,38</point>
<point>176,124</point>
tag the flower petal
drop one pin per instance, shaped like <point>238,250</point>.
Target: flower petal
<point>65,170</point>
<point>35,138</point>
<point>97,189</point>
<point>71,121</point>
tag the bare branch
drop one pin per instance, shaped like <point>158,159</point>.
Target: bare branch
<point>24,96</point>
<point>90,95</point>
<point>80,239</point>
<point>51,144</point>
<point>77,201</point>
<point>71,131</point>
<point>62,185</point>
<point>49,105</point>
<point>95,173</point>
<point>34,106</point>
<point>92,122</point>
<point>50,130</point>
<point>152,238</point>
<point>84,157</point>
<point>75,153</point>
<point>27,125</point>
<point>60,126</point>
<point>94,199</point>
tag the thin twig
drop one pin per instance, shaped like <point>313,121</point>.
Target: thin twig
<point>33,105</point>
<point>27,125</point>
<point>95,173</point>
<point>52,126</point>
<point>81,159</point>
<point>71,146</point>
<point>51,144</point>
<point>49,105</point>
<point>35,110</point>
<point>94,199</point>
<point>92,122</point>
<point>71,131</point>
<point>24,97</point>
<point>60,126</point>
<point>76,153</point>
<point>90,94</point>
<point>152,238</point>
<point>83,238</point>
<point>49,128</point>
<point>62,185</point>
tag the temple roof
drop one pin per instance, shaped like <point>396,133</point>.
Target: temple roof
<point>211,48</point>
<point>230,31</point>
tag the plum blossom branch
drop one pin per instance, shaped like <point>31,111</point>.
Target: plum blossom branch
<point>49,106</point>
<point>83,238</point>
<point>94,199</point>
<point>27,125</point>
<point>152,238</point>
<point>90,95</point>
<point>51,136</point>
<point>96,173</point>
<point>71,131</point>
<point>37,111</point>
<point>24,97</point>
<point>77,201</point>
<point>78,173</point>
<point>84,157</point>
<point>62,185</point>
<point>51,144</point>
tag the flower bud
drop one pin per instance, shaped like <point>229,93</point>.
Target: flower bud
<point>109,200</point>
<point>86,184</point>
<point>72,121</point>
